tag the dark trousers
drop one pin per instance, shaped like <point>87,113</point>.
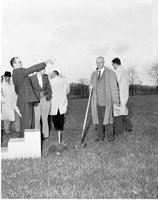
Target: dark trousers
<point>122,123</point>
<point>50,123</point>
<point>27,120</point>
<point>58,121</point>
<point>103,130</point>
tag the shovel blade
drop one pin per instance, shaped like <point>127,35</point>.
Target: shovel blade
<point>83,145</point>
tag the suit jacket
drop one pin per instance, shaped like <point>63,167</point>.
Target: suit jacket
<point>46,88</point>
<point>22,83</point>
<point>110,90</point>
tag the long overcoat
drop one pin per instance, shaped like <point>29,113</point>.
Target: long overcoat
<point>123,83</point>
<point>111,92</point>
<point>9,100</point>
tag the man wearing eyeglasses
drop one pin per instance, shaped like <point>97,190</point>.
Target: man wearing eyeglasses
<point>104,96</point>
<point>26,95</point>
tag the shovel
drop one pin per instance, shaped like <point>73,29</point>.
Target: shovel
<point>83,144</point>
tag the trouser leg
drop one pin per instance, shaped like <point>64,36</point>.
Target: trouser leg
<point>2,125</point>
<point>100,133</point>
<point>37,111</point>
<point>61,122</point>
<point>2,130</point>
<point>109,132</point>
<point>45,106</point>
<point>50,122</point>
<point>12,127</point>
<point>58,121</point>
<point>127,123</point>
<point>27,119</point>
<point>17,122</point>
<point>7,126</point>
<point>55,121</point>
<point>118,125</point>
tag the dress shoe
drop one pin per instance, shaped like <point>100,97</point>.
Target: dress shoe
<point>46,139</point>
<point>111,140</point>
<point>97,140</point>
<point>130,130</point>
<point>96,126</point>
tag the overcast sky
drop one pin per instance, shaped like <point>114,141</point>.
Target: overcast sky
<point>75,32</point>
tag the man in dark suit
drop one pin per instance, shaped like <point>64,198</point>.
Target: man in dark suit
<point>25,92</point>
<point>42,88</point>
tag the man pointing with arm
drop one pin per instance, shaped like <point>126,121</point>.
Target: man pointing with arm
<point>25,92</point>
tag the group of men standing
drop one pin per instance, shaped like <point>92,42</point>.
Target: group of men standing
<point>110,93</point>
<point>37,96</point>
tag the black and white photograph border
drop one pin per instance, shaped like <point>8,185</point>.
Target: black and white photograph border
<point>73,34</point>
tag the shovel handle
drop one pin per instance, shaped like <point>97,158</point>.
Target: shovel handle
<point>85,119</point>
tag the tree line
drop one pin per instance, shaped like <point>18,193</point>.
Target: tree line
<point>81,89</point>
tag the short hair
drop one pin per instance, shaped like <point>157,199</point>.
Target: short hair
<point>12,61</point>
<point>101,58</point>
<point>56,72</point>
<point>116,61</point>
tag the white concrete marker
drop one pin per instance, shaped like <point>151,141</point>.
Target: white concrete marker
<point>27,147</point>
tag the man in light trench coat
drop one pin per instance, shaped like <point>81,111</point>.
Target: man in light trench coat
<point>10,112</point>
<point>104,95</point>
<point>122,122</point>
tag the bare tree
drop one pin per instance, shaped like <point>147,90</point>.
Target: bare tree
<point>84,86</point>
<point>83,81</point>
<point>140,82</point>
<point>133,75</point>
<point>133,78</point>
<point>153,72</point>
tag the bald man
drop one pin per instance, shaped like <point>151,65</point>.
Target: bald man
<point>105,94</point>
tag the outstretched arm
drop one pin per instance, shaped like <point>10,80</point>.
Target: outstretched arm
<point>37,67</point>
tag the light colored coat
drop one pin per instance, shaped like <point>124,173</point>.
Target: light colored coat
<point>123,82</point>
<point>9,100</point>
<point>60,89</point>
<point>111,93</point>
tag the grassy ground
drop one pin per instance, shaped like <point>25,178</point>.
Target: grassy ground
<point>127,168</point>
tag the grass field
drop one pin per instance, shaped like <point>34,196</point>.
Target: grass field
<point>127,168</point>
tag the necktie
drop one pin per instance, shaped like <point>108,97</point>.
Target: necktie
<point>99,74</point>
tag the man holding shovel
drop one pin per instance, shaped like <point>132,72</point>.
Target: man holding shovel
<point>103,84</point>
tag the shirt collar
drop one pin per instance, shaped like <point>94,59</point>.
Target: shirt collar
<point>4,81</point>
<point>118,69</point>
<point>101,70</point>
<point>39,75</point>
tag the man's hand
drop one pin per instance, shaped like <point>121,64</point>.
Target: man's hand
<point>116,103</point>
<point>90,86</point>
<point>49,62</point>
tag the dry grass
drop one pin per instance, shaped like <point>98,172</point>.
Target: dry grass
<point>127,168</point>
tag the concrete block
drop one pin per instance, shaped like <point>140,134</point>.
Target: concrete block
<point>27,147</point>
<point>33,142</point>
